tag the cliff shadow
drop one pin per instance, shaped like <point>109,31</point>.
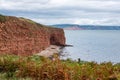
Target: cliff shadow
<point>54,41</point>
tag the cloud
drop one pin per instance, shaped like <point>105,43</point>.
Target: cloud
<point>100,12</point>
<point>60,4</point>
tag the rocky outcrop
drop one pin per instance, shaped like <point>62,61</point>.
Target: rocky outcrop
<point>24,37</point>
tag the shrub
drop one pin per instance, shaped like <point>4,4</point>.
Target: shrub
<point>40,68</point>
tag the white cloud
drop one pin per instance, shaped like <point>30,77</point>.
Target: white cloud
<point>97,22</point>
<point>54,21</point>
<point>47,4</point>
<point>82,21</point>
<point>104,12</point>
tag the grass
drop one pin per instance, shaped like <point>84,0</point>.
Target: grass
<point>35,67</point>
<point>28,20</point>
<point>2,18</point>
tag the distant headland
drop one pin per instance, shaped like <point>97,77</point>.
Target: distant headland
<point>86,27</point>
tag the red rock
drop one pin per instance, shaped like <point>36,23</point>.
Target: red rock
<point>22,37</point>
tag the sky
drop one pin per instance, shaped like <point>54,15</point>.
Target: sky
<point>49,12</point>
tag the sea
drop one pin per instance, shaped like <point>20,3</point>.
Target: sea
<point>93,45</point>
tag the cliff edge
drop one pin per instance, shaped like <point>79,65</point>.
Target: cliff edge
<point>25,37</point>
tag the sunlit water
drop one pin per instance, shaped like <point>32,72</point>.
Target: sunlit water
<point>94,45</point>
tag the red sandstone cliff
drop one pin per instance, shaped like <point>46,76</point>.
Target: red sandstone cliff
<point>25,37</point>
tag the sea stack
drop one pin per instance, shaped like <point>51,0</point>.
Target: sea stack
<point>22,36</point>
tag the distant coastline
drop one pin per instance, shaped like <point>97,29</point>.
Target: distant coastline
<point>86,27</point>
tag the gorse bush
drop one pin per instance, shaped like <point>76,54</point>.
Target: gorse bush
<point>40,68</point>
<point>2,18</point>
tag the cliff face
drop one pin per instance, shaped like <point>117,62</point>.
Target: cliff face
<point>24,37</point>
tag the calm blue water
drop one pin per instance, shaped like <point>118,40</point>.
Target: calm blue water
<point>94,45</point>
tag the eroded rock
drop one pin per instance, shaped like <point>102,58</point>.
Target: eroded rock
<point>24,37</point>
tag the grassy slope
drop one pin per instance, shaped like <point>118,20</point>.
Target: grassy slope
<point>39,68</point>
<point>2,18</point>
